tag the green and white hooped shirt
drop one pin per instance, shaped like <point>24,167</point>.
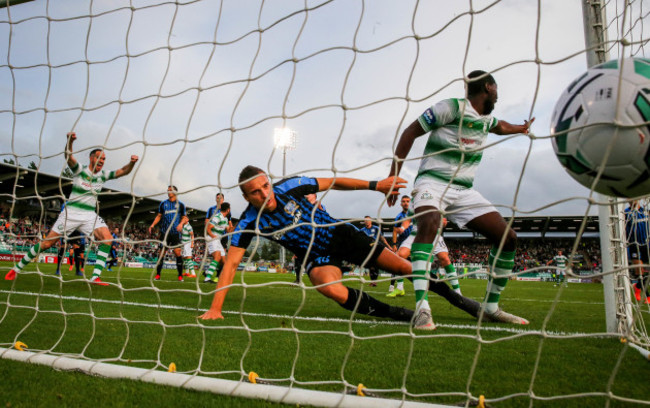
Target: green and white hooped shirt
<point>220,223</point>
<point>186,232</point>
<point>86,186</point>
<point>454,148</point>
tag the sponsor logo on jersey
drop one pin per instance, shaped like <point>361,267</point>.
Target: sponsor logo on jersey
<point>426,196</point>
<point>429,117</point>
<point>291,207</point>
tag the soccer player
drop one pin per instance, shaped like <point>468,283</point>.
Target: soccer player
<point>79,252</point>
<point>458,130</point>
<point>373,232</point>
<point>113,254</point>
<point>283,214</point>
<point>216,229</point>
<point>171,216</point>
<point>208,215</point>
<point>636,231</point>
<point>80,209</point>
<point>560,274</point>
<point>440,251</point>
<point>187,239</point>
<point>399,235</point>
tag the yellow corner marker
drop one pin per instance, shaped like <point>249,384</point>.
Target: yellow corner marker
<point>252,377</point>
<point>481,402</point>
<point>360,391</point>
<point>19,345</point>
<point>172,368</point>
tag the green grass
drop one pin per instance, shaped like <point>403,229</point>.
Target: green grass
<point>151,325</point>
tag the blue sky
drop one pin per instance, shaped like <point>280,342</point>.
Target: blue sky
<point>196,89</point>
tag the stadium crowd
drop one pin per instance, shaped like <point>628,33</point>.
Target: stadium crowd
<point>138,245</point>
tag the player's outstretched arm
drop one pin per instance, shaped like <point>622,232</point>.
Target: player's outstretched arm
<point>233,258</point>
<point>412,132</point>
<point>155,222</point>
<point>390,185</point>
<point>69,158</point>
<point>505,128</point>
<point>126,169</point>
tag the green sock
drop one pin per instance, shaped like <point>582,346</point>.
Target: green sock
<point>211,269</point>
<point>100,262</point>
<point>420,259</point>
<point>31,254</point>
<point>499,266</point>
<point>450,271</point>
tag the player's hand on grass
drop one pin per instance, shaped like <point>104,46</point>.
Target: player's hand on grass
<point>211,315</point>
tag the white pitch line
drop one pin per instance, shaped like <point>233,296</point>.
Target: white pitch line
<point>301,318</point>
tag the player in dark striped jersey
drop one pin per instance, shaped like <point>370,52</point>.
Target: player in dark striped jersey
<point>171,216</point>
<point>283,214</point>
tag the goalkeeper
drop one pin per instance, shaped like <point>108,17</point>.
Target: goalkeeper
<point>80,209</point>
<point>282,213</point>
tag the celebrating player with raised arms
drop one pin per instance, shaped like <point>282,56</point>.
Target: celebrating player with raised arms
<point>458,130</point>
<point>80,212</point>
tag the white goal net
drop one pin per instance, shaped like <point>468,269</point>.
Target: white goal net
<point>197,90</point>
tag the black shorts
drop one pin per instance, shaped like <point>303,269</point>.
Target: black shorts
<point>348,244</point>
<point>638,252</point>
<point>171,240</point>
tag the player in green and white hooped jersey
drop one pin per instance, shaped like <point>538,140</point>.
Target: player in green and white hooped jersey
<point>458,130</point>
<point>216,228</point>
<point>80,209</point>
<point>560,273</point>
<point>440,251</point>
<point>187,239</point>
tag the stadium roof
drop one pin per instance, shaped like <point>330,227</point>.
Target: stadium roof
<point>36,191</point>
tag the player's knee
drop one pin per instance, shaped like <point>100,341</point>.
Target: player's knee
<point>428,225</point>
<point>510,243</point>
<point>336,292</point>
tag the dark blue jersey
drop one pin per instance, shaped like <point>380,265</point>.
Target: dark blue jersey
<point>172,213</point>
<point>290,224</point>
<point>401,237</point>
<point>636,226</point>
<point>115,241</point>
<point>372,232</point>
<point>211,211</point>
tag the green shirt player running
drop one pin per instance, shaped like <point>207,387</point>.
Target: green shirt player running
<point>458,130</point>
<point>216,228</point>
<point>187,240</point>
<point>80,209</point>
<point>560,262</point>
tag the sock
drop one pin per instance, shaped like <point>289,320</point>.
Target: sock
<point>391,287</point>
<point>470,306</point>
<point>420,254</point>
<point>31,254</point>
<point>367,304</point>
<point>211,269</point>
<point>179,265</point>
<point>400,284</point>
<point>499,266</point>
<point>450,271</point>
<point>100,263</point>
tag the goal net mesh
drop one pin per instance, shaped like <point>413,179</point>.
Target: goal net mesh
<point>197,89</point>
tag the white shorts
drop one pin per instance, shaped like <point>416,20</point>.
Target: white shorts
<point>72,219</point>
<point>187,249</point>
<point>214,246</point>
<point>438,248</point>
<point>459,205</point>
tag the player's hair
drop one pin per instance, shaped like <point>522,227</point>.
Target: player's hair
<point>367,216</point>
<point>405,196</point>
<point>174,188</point>
<point>92,152</point>
<point>224,207</point>
<point>248,173</point>
<point>220,194</point>
<point>477,86</point>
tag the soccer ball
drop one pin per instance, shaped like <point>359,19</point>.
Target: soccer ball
<point>601,123</point>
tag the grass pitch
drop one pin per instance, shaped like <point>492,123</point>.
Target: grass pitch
<point>282,332</point>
